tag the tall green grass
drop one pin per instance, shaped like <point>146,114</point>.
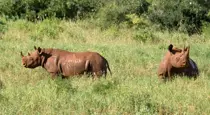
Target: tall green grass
<point>133,88</point>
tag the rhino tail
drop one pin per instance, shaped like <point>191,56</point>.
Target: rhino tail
<point>107,65</point>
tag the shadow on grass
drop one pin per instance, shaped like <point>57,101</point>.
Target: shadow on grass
<point>1,85</point>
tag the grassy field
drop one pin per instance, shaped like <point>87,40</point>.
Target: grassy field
<point>133,88</point>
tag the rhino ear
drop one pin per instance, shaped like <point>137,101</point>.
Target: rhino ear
<point>39,50</point>
<point>170,47</point>
<point>187,48</point>
<point>29,54</point>
<point>21,53</point>
<point>35,47</point>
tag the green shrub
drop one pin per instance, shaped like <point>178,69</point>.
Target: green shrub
<point>40,9</point>
<point>206,29</point>
<point>185,16</point>
<point>144,35</point>
<point>115,12</point>
<point>133,20</point>
<point>3,27</point>
<point>179,15</point>
<point>48,28</point>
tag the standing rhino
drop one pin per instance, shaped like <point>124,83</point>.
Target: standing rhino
<point>177,61</point>
<point>61,62</point>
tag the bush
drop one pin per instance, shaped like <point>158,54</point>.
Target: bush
<point>116,11</point>
<point>3,27</point>
<point>206,29</point>
<point>48,28</point>
<point>41,9</point>
<point>133,20</point>
<point>185,16</point>
<point>145,35</point>
<point>179,15</point>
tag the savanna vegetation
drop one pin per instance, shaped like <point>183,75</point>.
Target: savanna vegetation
<point>132,35</point>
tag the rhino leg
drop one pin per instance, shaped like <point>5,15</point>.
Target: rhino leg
<point>97,74</point>
<point>169,74</point>
<point>161,76</point>
<point>87,63</point>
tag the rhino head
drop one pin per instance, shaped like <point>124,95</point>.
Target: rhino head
<point>33,59</point>
<point>179,57</point>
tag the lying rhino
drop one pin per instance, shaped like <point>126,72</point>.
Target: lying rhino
<point>177,61</point>
<point>61,62</point>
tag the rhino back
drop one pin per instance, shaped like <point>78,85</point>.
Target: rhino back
<point>72,63</point>
<point>192,70</point>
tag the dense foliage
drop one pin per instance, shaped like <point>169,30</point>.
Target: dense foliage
<point>185,15</point>
<point>182,15</point>
<point>40,9</point>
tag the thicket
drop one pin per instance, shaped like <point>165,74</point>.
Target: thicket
<point>183,15</point>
